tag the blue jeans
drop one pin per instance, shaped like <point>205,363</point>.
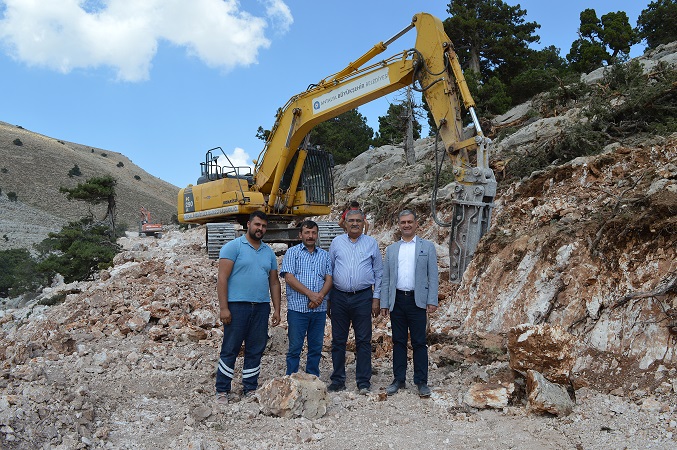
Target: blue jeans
<point>309,324</point>
<point>347,308</point>
<point>408,319</point>
<point>249,325</point>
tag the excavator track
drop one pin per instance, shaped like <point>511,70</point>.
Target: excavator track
<point>217,235</point>
<point>327,232</point>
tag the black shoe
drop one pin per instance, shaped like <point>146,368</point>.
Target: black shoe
<point>335,387</point>
<point>394,387</point>
<point>423,391</point>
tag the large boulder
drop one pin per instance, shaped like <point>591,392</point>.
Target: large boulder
<point>544,348</point>
<point>296,395</point>
<point>546,397</point>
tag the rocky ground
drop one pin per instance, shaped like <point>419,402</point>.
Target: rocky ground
<point>127,362</point>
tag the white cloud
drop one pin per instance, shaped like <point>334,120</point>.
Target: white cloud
<point>124,34</point>
<point>279,12</point>
<point>239,158</point>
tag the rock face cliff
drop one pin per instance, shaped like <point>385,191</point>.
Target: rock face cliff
<point>589,245</point>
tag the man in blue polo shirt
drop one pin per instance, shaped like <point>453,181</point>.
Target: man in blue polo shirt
<point>357,268</point>
<point>247,281</point>
<point>307,271</point>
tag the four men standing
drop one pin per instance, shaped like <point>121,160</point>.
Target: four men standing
<point>360,287</point>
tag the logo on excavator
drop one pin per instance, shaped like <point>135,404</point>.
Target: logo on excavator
<point>188,202</point>
<point>351,90</point>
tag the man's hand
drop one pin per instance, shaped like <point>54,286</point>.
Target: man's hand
<point>375,307</point>
<point>431,308</point>
<point>315,300</point>
<point>384,312</point>
<point>275,321</point>
<point>313,305</point>
<point>225,316</point>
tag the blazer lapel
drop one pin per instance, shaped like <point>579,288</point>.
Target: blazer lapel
<point>396,264</point>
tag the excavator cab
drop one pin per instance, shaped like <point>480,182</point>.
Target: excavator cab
<point>317,181</point>
<point>212,170</point>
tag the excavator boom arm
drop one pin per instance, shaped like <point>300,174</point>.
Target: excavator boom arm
<point>432,64</point>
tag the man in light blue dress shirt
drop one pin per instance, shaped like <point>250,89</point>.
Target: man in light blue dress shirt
<point>357,270</point>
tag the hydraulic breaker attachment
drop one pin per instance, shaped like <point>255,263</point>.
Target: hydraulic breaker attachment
<point>473,201</point>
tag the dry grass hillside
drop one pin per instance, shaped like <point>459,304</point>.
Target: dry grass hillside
<point>39,166</point>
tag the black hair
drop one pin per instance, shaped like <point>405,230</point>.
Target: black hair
<point>310,224</point>
<point>260,214</point>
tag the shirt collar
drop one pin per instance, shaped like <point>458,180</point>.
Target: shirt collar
<point>304,248</point>
<point>246,241</point>
<point>413,241</point>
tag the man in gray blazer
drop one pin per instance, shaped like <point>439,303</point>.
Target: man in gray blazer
<point>408,292</point>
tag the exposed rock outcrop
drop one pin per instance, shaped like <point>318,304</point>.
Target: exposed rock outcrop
<point>545,349</point>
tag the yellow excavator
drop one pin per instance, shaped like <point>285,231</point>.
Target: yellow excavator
<point>291,181</point>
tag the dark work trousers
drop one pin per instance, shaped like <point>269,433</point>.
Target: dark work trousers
<point>249,325</point>
<point>347,308</point>
<point>407,317</point>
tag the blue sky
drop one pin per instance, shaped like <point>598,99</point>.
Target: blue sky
<point>162,81</point>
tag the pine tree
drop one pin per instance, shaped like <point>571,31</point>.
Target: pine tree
<point>82,248</point>
<point>489,34</point>
<point>657,23</point>
<point>78,251</point>
<point>392,127</point>
<point>344,136</point>
<point>95,191</point>
<point>606,40</point>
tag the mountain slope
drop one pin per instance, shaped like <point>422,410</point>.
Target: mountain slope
<point>35,166</point>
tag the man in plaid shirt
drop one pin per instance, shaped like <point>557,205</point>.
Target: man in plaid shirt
<point>307,271</point>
